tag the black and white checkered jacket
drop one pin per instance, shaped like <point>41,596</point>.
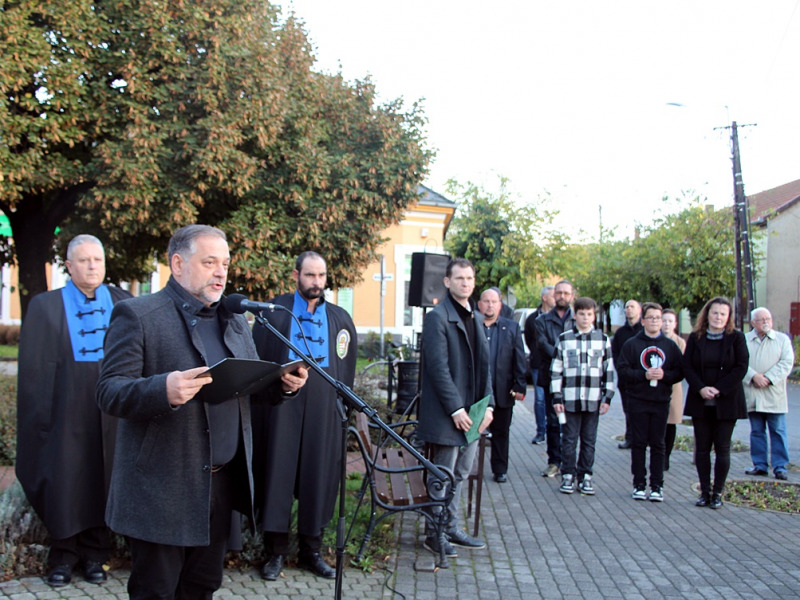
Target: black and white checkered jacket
<point>582,373</point>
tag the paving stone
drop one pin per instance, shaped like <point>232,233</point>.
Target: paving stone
<point>544,544</point>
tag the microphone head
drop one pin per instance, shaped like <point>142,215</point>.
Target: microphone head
<point>234,303</point>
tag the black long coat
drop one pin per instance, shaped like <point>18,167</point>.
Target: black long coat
<point>64,443</point>
<point>727,378</point>
<point>297,444</point>
<point>449,381</point>
<point>509,372</point>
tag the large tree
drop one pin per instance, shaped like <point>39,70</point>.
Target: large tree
<point>129,119</point>
<point>507,238</point>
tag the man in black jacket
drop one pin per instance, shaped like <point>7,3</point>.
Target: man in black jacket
<point>455,375</point>
<point>548,327</point>
<point>536,362</point>
<point>649,363</point>
<point>632,326</point>
<point>507,368</point>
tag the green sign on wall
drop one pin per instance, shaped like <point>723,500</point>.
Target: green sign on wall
<point>5,226</point>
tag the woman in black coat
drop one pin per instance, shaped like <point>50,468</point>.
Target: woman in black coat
<point>714,363</point>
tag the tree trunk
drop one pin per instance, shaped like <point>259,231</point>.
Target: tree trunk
<point>33,225</point>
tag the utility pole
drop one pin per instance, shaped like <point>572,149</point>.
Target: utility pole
<point>745,295</point>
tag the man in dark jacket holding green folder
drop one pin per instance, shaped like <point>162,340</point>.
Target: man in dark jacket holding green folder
<point>455,375</point>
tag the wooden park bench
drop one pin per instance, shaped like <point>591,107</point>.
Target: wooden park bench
<point>398,482</point>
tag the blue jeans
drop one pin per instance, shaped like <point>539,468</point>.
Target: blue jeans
<point>539,409</point>
<point>778,443</point>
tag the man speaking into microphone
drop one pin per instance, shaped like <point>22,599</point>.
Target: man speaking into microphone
<point>182,462</point>
<point>297,445</point>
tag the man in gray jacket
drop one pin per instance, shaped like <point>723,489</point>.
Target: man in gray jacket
<point>455,375</point>
<point>182,461</point>
<point>771,362</point>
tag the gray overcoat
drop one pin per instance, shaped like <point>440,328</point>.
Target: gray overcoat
<point>161,483</point>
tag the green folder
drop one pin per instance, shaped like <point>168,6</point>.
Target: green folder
<point>476,413</point>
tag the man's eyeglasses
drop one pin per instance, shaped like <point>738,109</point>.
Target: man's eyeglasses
<point>652,319</point>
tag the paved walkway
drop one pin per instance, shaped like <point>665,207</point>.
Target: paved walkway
<point>543,544</point>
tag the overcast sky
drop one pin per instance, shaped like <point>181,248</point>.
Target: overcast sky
<point>576,100</point>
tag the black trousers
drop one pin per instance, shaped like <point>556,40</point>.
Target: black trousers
<point>648,427</point>
<point>580,426</point>
<point>164,572</point>
<point>669,443</point>
<point>499,427</point>
<point>626,411</point>
<point>553,432</point>
<point>90,544</point>
<point>277,542</point>
<point>710,431</point>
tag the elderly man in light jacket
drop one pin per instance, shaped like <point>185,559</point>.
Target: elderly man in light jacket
<point>771,361</point>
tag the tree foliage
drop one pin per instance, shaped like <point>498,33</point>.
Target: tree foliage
<point>129,118</point>
<point>681,260</point>
<point>509,241</point>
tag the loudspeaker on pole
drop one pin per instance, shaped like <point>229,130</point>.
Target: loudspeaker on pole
<point>426,288</point>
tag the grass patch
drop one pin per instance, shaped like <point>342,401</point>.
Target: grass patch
<point>7,351</point>
<point>764,495</point>
<point>375,555</point>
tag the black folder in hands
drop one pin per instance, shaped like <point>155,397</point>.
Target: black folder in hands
<point>234,377</point>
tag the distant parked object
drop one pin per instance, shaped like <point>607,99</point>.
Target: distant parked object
<point>520,316</point>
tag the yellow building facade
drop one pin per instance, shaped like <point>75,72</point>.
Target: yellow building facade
<point>422,229</point>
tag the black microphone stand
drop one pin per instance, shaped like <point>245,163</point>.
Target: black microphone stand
<point>347,396</point>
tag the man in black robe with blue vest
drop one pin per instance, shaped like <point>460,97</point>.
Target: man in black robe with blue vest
<point>64,442</point>
<point>297,445</point>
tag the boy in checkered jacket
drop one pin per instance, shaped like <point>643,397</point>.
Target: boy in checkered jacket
<point>582,383</point>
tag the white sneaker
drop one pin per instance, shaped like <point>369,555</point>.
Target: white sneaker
<point>639,493</point>
<point>585,487</point>
<point>567,484</point>
<point>656,494</point>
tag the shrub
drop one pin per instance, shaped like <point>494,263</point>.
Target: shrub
<point>23,537</point>
<point>9,335</point>
<point>8,420</point>
<point>370,346</point>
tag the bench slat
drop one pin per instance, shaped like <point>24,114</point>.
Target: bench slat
<point>394,460</point>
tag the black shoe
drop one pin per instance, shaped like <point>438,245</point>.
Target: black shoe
<point>459,537</point>
<point>716,501</point>
<point>432,544</point>
<point>538,439</point>
<point>313,562</point>
<point>93,572</point>
<point>755,471</point>
<point>502,477</point>
<point>272,568</point>
<point>782,475</point>
<point>702,500</point>
<point>626,445</point>
<point>59,576</point>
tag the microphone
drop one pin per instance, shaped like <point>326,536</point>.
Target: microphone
<point>238,303</point>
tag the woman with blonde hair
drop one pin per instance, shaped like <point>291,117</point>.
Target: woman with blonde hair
<point>669,327</point>
<point>714,363</point>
